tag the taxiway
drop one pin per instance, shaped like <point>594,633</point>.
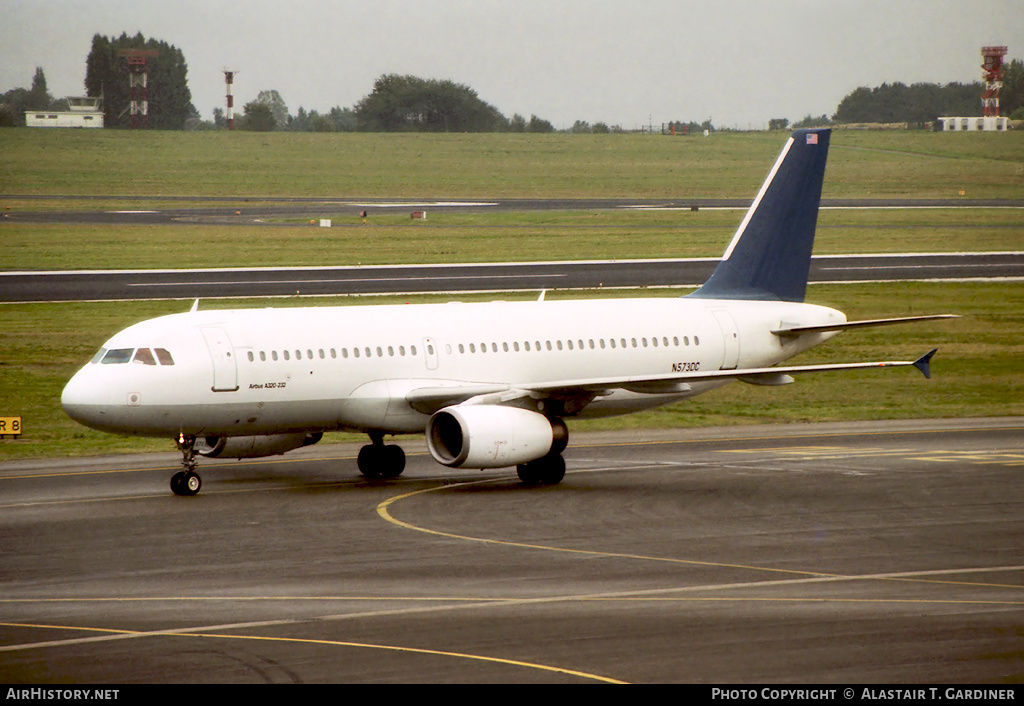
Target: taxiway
<point>882,552</point>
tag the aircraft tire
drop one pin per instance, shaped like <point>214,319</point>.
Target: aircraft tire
<point>392,461</point>
<point>368,461</point>
<point>549,470</point>
<point>186,483</point>
<point>381,461</point>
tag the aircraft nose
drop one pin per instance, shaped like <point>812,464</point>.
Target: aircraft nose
<point>82,399</point>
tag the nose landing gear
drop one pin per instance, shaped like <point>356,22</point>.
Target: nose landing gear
<point>186,481</point>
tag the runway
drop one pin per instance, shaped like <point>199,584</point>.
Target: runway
<point>111,285</point>
<point>114,285</point>
<point>879,552</point>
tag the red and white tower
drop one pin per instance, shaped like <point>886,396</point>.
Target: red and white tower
<point>992,71</point>
<point>138,84</point>
<point>229,79</point>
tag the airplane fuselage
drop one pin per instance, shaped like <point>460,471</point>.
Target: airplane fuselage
<point>274,371</point>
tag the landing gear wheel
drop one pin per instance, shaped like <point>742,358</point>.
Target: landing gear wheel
<point>549,470</point>
<point>367,462</point>
<point>379,461</point>
<point>393,461</point>
<point>186,483</point>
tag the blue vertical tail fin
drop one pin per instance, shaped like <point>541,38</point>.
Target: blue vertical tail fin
<point>770,255</point>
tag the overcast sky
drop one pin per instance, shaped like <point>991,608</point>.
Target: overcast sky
<point>737,62</point>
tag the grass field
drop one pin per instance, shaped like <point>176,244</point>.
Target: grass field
<point>327,165</point>
<point>976,371</point>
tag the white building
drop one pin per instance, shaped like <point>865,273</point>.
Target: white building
<point>989,124</point>
<point>82,111</point>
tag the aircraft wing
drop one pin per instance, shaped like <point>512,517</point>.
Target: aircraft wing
<point>431,399</point>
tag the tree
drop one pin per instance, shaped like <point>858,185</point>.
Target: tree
<point>343,119</point>
<point>107,75</point>
<point>273,100</point>
<point>38,97</point>
<point>812,121</point>
<point>778,123</point>
<point>1011,96</point>
<point>918,103</point>
<point>408,103</point>
<point>259,117</point>
<point>539,125</point>
<point>16,101</point>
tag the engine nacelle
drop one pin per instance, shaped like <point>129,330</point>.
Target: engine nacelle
<point>254,446</point>
<point>490,436</point>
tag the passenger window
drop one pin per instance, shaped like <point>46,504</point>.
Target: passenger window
<point>117,356</point>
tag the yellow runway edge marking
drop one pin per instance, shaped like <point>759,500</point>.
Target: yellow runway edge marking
<point>383,510</point>
<point>130,634</point>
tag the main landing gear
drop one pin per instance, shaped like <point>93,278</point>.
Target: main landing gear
<point>549,469</point>
<point>186,481</point>
<point>379,461</point>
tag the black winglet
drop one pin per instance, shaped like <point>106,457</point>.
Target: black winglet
<point>924,363</point>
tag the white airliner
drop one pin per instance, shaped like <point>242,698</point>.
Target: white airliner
<point>490,383</point>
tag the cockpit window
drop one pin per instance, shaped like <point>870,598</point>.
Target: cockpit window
<point>99,355</point>
<point>144,356</point>
<point>117,356</point>
<point>164,356</point>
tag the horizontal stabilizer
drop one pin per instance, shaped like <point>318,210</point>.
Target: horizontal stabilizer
<point>797,330</point>
<point>775,375</point>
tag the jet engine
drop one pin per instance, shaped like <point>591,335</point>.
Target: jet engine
<point>489,436</point>
<point>254,446</point>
